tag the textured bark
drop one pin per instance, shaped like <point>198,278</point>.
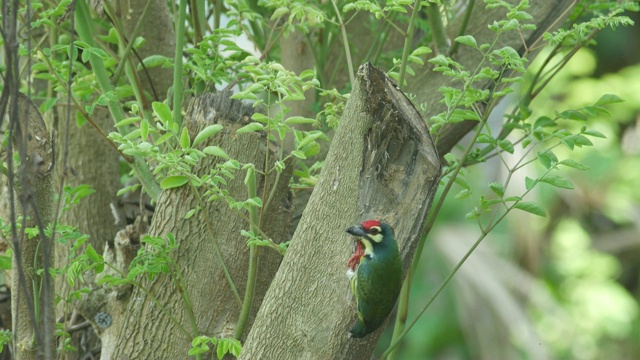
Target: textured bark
<point>106,306</point>
<point>92,161</point>
<point>157,29</point>
<point>297,57</point>
<point>146,332</point>
<point>547,15</point>
<point>35,191</point>
<point>382,165</point>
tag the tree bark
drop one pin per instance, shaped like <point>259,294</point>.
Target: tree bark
<point>158,31</point>
<point>90,160</point>
<point>33,330</point>
<point>146,332</point>
<point>382,164</point>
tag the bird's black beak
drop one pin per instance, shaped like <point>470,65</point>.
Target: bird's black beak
<point>357,231</point>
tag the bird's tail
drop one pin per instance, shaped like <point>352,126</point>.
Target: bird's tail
<point>359,330</point>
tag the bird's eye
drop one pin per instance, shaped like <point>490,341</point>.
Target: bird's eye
<point>374,231</point>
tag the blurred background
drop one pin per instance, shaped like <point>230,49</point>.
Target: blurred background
<point>561,287</point>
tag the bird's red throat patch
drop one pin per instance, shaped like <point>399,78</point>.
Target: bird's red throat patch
<point>357,256</point>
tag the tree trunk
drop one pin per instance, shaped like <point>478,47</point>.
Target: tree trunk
<point>92,161</point>
<point>147,332</point>
<point>33,330</point>
<point>382,164</point>
<point>157,29</point>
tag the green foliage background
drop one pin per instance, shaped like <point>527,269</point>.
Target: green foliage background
<point>579,266</point>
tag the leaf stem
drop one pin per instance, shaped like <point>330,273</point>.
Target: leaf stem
<point>407,42</point>
<point>253,258</point>
<point>463,27</point>
<point>177,62</point>
<point>216,247</point>
<point>188,306</point>
<point>440,39</point>
<point>345,40</point>
<point>153,298</point>
<point>84,32</point>
<point>132,37</point>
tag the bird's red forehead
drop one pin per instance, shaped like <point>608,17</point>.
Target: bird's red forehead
<point>370,223</point>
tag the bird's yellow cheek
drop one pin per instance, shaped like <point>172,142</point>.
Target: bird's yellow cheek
<point>368,247</point>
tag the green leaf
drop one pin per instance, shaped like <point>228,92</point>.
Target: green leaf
<point>235,347</point>
<point>462,182</point>
<point>609,99</point>
<point>529,183</point>
<point>544,121</point>
<point>557,181</point>
<point>421,51</point>
<point>215,151</point>
<point>185,141</point>
<point>573,164</point>
<point>257,202</point>
<point>485,139</point>
<point>279,12</point>
<point>594,133</point>
<point>580,141</point>
<point>48,104</point>
<point>506,145</point>
<point>259,117</point>
<point>473,214</point>
<point>531,207</point>
<point>415,60</point>
<point>309,139</point>
<point>497,188</point>
<point>191,212</point>
<point>220,350</point>
<point>487,203</point>
<point>173,181</point>
<point>80,119</point>
<point>127,121</point>
<point>206,133</point>
<point>573,115</point>
<point>309,73</point>
<point>547,159</point>
<point>5,262</point>
<point>154,61</point>
<point>92,254</point>
<point>131,188</point>
<point>299,120</point>
<point>299,154</point>
<point>198,350</point>
<point>138,42</point>
<point>144,129</point>
<point>463,194</point>
<point>251,172</point>
<point>252,127</point>
<point>163,112</point>
<point>467,40</point>
<point>568,143</point>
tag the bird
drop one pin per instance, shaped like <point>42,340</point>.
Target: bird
<point>375,272</point>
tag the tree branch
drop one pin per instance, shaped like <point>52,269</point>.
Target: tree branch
<point>545,16</point>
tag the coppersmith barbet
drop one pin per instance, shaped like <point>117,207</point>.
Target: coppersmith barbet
<point>375,270</point>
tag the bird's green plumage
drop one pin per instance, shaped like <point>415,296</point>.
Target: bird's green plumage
<point>377,280</point>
